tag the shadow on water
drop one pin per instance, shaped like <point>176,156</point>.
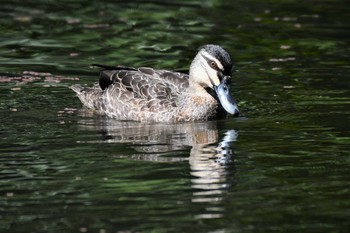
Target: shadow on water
<point>211,156</point>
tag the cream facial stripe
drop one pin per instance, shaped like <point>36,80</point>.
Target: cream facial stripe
<point>207,56</point>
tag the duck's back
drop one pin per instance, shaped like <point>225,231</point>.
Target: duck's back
<point>142,94</point>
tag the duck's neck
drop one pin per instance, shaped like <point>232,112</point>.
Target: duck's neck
<point>197,90</point>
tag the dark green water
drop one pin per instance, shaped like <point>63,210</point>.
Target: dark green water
<point>283,166</point>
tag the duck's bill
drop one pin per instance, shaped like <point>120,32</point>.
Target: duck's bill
<point>225,98</point>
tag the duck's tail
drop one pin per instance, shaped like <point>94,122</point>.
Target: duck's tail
<point>77,88</point>
<point>89,96</point>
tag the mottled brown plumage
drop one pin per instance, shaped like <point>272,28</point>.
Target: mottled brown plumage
<point>146,94</point>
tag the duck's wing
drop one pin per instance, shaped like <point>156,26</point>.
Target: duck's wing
<point>111,74</point>
<point>106,78</point>
<point>147,88</point>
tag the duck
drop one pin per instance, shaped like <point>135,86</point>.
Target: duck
<point>155,95</point>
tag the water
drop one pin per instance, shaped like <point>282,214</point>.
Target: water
<point>283,166</point>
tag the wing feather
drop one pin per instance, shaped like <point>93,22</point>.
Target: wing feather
<point>144,88</point>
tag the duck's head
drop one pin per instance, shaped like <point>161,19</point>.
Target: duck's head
<point>211,69</point>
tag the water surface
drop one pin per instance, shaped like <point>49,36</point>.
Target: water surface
<point>282,166</point>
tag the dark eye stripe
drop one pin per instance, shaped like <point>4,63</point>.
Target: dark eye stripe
<point>225,67</point>
<point>211,61</point>
<point>212,64</point>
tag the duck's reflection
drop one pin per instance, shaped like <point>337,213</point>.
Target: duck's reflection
<point>210,165</point>
<point>211,152</point>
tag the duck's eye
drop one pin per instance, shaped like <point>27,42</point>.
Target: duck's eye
<point>212,64</point>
